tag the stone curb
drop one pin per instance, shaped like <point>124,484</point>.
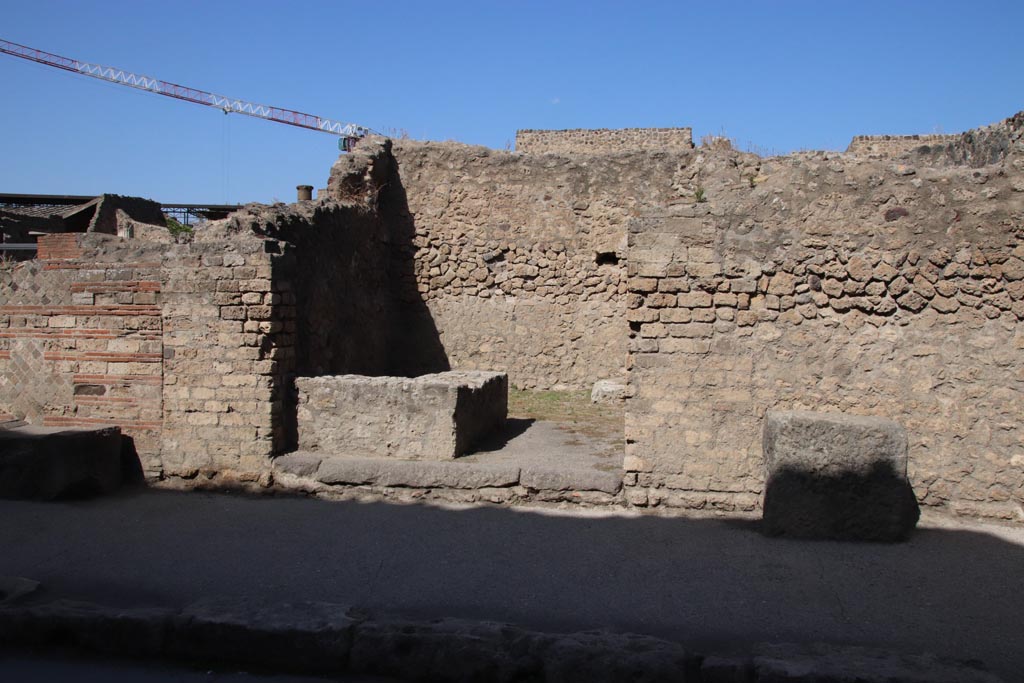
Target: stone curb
<point>325,638</point>
<point>432,474</point>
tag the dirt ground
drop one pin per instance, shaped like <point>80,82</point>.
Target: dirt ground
<point>572,411</point>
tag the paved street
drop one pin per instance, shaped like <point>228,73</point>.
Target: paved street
<point>715,584</point>
<point>35,669</point>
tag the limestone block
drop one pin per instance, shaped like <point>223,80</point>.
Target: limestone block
<point>241,631</point>
<point>45,463</point>
<point>574,479</point>
<point>299,464</point>
<point>831,475</point>
<point>432,417</point>
<point>608,391</point>
<point>422,474</point>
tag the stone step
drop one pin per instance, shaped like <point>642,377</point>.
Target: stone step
<point>44,463</point>
<point>352,471</point>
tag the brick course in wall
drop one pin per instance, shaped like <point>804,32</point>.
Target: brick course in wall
<point>188,348</point>
<point>80,340</point>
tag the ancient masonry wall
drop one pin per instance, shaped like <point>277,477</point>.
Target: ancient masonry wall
<point>182,346</point>
<point>521,260</point>
<point>229,332</point>
<point>725,284</point>
<point>266,295</point>
<point>603,140</point>
<point>978,147</point>
<point>191,348</point>
<point>107,220</point>
<point>830,283</point>
<point>894,145</point>
<point>81,338</point>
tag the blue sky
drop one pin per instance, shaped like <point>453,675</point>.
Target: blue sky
<point>775,76</point>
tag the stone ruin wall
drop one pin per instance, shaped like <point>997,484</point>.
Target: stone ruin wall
<point>978,147</point>
<point>895,145</point>
<point>521,259</point>
<point>189,348</point>
<point>81,338</point>
<point>155,339</point>
<point>266,295</point>
<point>114,213</point>
<point>818,281</point>
<point>229,336</point>
<point>603,141</point>
<point>506,258</point>
<point>828,282</point>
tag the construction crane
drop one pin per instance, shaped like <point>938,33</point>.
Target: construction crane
<point>349,133</point>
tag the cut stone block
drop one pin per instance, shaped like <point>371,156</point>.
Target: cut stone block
<point>422,474</point>
<point>317,634</point>
<point>298,464</point>
<point>837,476</point>
<point>570,479</point>
<point>433,417</point>
<point>45,463</point>
<point>608,391</point>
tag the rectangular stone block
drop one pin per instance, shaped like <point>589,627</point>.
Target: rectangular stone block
<point>415,474</point>
<point>44,463</point>
<point>432,417</point>
<point>831,475</point>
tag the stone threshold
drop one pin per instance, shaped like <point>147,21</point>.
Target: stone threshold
<point>325,638</point>
<point>320,470</point>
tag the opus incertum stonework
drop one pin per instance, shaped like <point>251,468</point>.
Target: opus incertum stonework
<point>885,281</point>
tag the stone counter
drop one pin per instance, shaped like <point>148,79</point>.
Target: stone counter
<point>432,417</point>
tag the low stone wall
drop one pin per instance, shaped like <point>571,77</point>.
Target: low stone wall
<point>584,141</point>
<point>979,147</point>
<point>895,145</point>
<point>433,417</point>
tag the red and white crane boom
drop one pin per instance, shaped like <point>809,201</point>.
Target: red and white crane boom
<point>348,131</point>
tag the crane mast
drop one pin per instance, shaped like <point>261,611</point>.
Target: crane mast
<point>349,132</point>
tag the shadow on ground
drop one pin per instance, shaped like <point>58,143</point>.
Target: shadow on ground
<point>499,439</point>
<point>716,585</point>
